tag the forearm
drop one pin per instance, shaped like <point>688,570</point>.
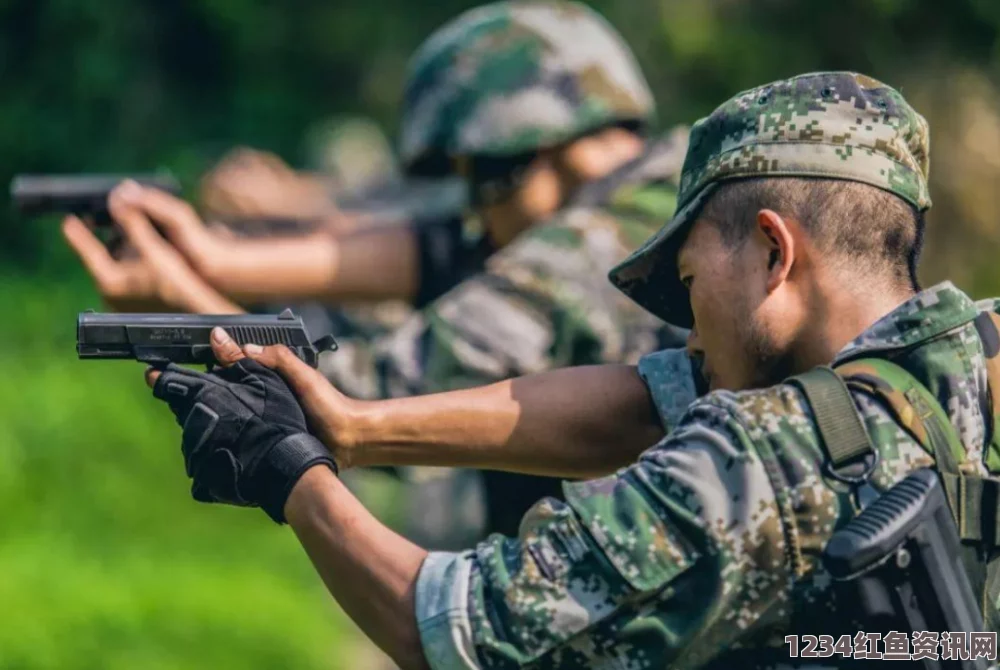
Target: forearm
<point>575,422</point>
<point>259,270</point>
<point>369,570</point>
<point>366,265</point>
<point>203,299</point>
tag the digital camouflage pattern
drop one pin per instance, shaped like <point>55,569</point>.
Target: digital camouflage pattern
<point>838,125</point>
<point>511,77</point>
<point>541,302</point>
<point>706,552</point>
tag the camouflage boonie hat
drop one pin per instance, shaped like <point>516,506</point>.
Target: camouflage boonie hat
<point>512,77</point>
<point>835,125</point>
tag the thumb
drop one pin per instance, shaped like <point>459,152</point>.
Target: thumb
<point>300,377</point>
<point>225,348</point>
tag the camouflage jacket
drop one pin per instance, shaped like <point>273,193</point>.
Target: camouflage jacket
<point>541,302</point>
<point>709,545</point>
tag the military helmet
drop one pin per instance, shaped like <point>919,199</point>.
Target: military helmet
<point>512,77</point>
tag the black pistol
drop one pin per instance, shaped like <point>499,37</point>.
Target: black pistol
<point>159,339</point>
<point>84,195</point>
<point>899,562</point>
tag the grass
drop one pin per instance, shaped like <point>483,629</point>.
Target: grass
<point>105,560</point>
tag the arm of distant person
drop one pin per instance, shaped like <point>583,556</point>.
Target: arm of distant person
<point>256,184</point>
<point>367,265</point>
<point>157,280</point>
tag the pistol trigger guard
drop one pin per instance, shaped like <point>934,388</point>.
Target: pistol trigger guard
<point>151,359</point>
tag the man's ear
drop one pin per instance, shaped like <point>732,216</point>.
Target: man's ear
<point>780,244</point>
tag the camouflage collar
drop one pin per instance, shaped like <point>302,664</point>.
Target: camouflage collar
<point>929,313</point>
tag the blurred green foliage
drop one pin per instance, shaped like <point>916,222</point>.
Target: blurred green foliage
<point>105,560</point>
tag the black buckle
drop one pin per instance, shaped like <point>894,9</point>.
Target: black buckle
<point>871,461</point>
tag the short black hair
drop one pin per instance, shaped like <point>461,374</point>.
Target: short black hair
<point>860,224</point>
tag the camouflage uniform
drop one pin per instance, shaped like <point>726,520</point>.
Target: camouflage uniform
<point>706,551</point>
<point>498,81</point>
<point>542,302</point>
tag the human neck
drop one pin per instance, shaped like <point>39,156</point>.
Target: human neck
<point>838,315</point>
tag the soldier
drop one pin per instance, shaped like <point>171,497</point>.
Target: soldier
<point>795,243</point>
<point>542,108</point>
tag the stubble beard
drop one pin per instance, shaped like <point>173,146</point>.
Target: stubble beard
<point>768,364</point>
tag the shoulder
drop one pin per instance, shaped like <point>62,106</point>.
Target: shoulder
<point>567,259</point>
<point>673,382</point>
<point>778,425</point>
<point>574,231</point>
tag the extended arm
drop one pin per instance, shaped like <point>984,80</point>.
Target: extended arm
<point>573,422</point>
<point>369,570</point>
<point>258,184</point>
<point>372,264</point>
<point>367,265</point>
<point>567,588</point>
<point>245,443</point>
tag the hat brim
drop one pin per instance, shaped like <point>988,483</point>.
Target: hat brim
<point>649,276</point>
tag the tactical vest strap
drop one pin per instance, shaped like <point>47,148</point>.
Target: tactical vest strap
<point>973,499</point>
<point>988,327</point>
<point>842,435</point>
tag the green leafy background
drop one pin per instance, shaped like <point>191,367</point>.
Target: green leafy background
<point>105,562</point>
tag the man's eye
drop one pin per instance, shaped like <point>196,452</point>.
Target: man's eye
<point>687,282</point>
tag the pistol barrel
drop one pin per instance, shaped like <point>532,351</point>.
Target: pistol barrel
<point>185,338</point>
<point>77,194</point>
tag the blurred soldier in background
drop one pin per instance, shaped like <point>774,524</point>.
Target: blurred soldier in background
<point>542,110</point>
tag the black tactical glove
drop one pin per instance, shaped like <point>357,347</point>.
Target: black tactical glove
<point>245,441</point>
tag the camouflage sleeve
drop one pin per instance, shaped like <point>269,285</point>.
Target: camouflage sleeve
<point>672,380</point>
<point>663,564</point>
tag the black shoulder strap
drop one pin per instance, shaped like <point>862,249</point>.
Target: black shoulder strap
<point>973,500</point>
<point>842,435</point>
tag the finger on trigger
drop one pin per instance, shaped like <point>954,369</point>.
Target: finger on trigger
<point>225,348</point>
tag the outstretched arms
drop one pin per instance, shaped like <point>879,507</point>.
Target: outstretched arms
<point>572,422</point>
